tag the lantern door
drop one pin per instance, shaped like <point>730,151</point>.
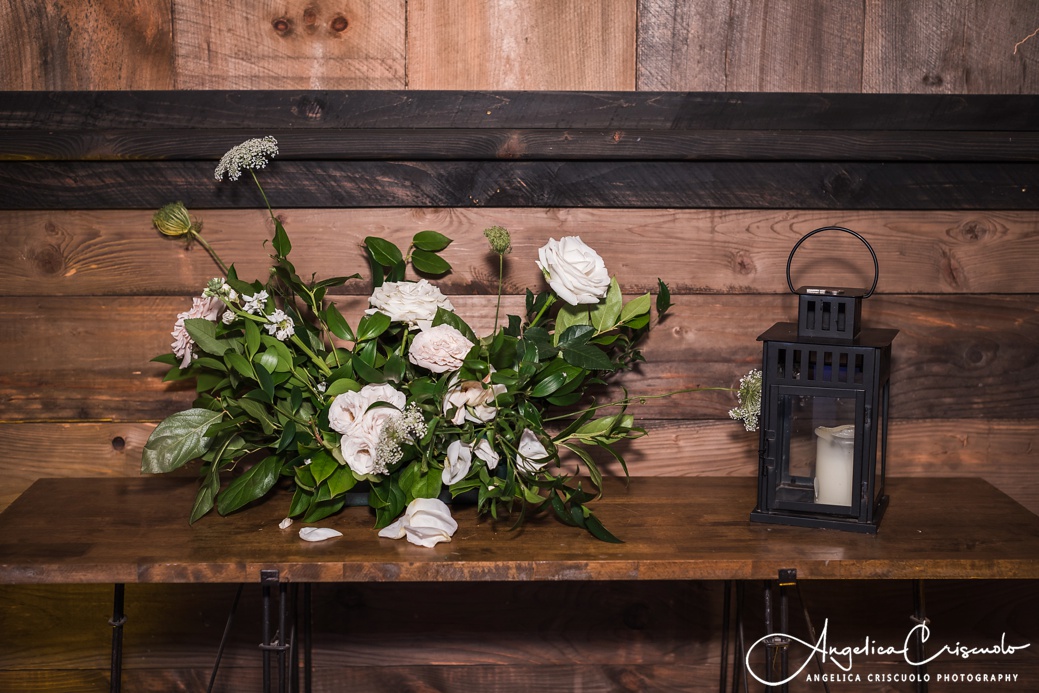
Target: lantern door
<point>816,450</point>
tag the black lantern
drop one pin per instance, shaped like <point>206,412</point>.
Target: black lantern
<point>824,410</point>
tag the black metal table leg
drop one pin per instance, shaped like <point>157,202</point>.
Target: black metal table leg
<point>919,617</point>
<point>117,621</point>
<point>726,599</point>
<point>307,663</point>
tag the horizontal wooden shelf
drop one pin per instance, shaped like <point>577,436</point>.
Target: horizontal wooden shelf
<point>135,530</point>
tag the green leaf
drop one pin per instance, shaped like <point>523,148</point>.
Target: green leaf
<point>549,384</point>
<point>568,316</point>
<point>604,316</point>
<point>203,332</point>
<point>206,494</point>
<point>663,297</point>
<point>259,413</point>
<point>446,317</point>
<point>322,464</point>
<point>342,385</point>
<point>178,439</point>
<point>429,263</point>
<point>263,377</point>
<point>371,326</point>
<point>341,481</point>
<point>282,246</point>
<point>240,364</point>
<point>597,530</point>
<point>576,335</point>
<point>430,240</point>
<point>384,252</point>
<point>253,484</point>
<point>337,324</point>
<point>252,338</point>
<point>636,307</point>
<point>587,356</point>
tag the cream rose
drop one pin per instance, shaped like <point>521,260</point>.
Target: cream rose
<point>472,400</point>
<point>348,409</point>
<point>485,452</point>
<point>458,462</point>
<point>361,426</point>
<point>426,522</point>
<point>574,271</point>
<point>531,455</point>
<point>413,303</point>
<point>439,349</point>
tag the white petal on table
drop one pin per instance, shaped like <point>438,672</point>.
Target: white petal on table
<point>318,533</point>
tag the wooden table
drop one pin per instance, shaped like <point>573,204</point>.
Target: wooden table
<point>135,530</point>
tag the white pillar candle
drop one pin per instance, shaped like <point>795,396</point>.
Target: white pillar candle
<point>834,459</point>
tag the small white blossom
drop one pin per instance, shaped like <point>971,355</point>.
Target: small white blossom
<point>749,398</point>
<point>249,155</point>
<point>281,325</point>
<point>228,317</point>
<point>221,289</point>
<point>254,304</point>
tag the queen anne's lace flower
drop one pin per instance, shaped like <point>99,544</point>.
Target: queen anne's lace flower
<point>749,398</point>
<point>249,155</point>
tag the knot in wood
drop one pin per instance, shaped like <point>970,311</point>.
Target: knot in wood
<point>282,25</point>
<point>973,230</point>
<point>339,24</point>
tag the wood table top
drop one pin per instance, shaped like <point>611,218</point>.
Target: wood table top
<point>130,530</point>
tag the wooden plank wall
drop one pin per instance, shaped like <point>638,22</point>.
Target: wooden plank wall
<point>89,291</point>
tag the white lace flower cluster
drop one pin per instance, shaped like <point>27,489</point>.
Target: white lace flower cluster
<point>749,398</point>
<point>249,155</point>
<point>361,424</point>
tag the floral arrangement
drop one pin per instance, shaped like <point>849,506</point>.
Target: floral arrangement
<point>409,403</point>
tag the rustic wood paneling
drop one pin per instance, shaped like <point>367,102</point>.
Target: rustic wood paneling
<point>155,113</point>
<point>69,365</point>
<point>118,253</point>
<point>297,44</point>
<point>524,44</point>
<point>654,184</point>
<point>742,45</point>
<point>86,44</point>
<point>957,47</point>
<point>1003,452</point>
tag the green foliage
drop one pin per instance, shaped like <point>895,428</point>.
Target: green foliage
<point>275,370</point>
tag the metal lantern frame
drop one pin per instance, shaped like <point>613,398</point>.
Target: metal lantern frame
<point>828,369</point>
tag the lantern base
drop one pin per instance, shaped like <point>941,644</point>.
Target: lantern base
<point>825,522</point>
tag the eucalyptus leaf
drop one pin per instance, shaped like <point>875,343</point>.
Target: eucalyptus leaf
<point>178,439</point>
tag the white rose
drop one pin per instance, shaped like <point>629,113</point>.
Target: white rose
<point>207,307</point>
<point>531,455</point>
<point>573,270</point>
<point>472,400</point>
<point>426,522</point>
<point>485,452</point>
<point>414,303</point>
<point>347,409</point>
<point>359,451</point>
<point>439,349</point>
<point>458,462</point>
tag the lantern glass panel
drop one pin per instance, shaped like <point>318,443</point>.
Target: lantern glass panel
<point>818,450</point>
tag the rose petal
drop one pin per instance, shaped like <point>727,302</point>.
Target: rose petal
<point>394,530</point>
<point>285,524</point>
<point>318,533</point>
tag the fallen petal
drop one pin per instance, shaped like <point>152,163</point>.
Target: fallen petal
<point>318,533</point>
<point>285,524</point>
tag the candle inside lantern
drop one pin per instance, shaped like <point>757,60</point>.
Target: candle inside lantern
<point>834,460</point>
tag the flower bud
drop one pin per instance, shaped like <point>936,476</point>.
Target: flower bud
<point>499,239</point>
<point>173,220</point>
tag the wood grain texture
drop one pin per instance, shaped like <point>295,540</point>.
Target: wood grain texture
<point>486,144</point>
<point>652,184</point>
<point>338,44</point>
<point>370,636</point>
<point>1002,452</point>
<point>118,253</point>
<point>85,45</point>
<point>673,529</point>
<point>979,365</point>
<point>156,112</point>
<point>523,44</point>
<point>959,47</point>
<point>741,45</point>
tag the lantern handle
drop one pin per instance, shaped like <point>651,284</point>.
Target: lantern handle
<point>876,265</point>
